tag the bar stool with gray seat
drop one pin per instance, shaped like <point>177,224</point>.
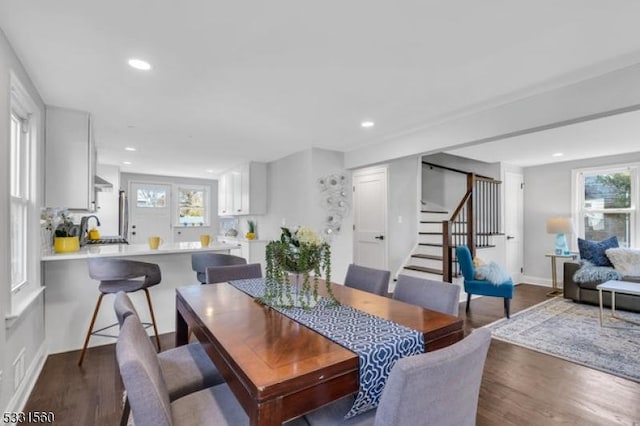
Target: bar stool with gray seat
<point>221,274</point>
<point>186,369</point>
<point>372,280</point>
<point>121,275</point>
<point>201,261</point>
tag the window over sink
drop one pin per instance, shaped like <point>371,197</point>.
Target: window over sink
<point>193,206</point>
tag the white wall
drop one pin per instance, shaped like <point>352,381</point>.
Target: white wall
<point>289,186</point>
<point>27,332</point>
<point>403,196</point>
<point>547,193</point>
<point>445,188</point>
<point>295,199</point>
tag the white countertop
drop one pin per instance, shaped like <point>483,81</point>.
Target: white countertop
<point>238,239</point>
<point>124,250</point>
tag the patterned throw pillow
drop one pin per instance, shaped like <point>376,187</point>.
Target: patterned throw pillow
<point>594,251</point>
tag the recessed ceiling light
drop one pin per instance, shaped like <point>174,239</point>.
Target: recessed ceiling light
<point>557,154</point>
<point>209,170</point>
<point>139,64</point>
<point>367,124</point>
<point>128,163</point>
<point>130,148</point>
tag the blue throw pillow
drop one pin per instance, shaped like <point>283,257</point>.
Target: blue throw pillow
<point>594,251</point>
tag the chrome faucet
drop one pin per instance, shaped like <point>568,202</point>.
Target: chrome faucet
<point>84,222</point>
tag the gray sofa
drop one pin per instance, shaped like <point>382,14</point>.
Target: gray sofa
<point>587,292</point>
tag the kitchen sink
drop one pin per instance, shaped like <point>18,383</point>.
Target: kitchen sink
<point>108,240</point>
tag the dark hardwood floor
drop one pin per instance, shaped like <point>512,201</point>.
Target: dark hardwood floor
<point>519,387</point>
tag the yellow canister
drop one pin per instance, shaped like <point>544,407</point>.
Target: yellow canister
<point>94,234</point>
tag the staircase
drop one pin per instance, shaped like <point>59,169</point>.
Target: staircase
<point>426,260</point>
<point>474,221</point>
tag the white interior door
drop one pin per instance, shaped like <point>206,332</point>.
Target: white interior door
<point>149,212</point>
<point>370,218</point>
<point>513,224</point>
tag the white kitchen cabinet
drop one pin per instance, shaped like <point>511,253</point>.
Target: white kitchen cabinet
<point>70,160</point>
<point>243,190</point>
<point>225,193</point>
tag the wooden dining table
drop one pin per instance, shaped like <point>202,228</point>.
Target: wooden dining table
<point>277,368</point>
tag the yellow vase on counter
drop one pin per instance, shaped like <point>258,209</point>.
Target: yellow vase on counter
<point>94,234</point>
<point>66,244</point>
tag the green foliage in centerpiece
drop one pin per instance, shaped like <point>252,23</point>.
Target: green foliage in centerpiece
<point>298,253</point>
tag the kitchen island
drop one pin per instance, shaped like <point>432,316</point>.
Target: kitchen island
<point>71,295</point>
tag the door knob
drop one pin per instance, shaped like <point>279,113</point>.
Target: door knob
<point>379,237</point>
<point>509,237</point>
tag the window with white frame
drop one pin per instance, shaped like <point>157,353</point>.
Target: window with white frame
<point>606,203</point>
<point>19,147</point>
<point>24,118</point>
<point>193,205</point>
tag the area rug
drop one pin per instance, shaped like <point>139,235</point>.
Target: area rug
<point>572,331</point>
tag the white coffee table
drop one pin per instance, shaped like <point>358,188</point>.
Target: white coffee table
<point>614,286</point>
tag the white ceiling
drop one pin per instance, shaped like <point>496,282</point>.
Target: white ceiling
<point>617,134</point>
<point>238,81</point>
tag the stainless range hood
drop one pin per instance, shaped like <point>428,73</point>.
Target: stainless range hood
<point>100,184</point>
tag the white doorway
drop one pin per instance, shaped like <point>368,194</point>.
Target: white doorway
<point>149,212</point>
<point>513,224</point>
<point>370,217</point>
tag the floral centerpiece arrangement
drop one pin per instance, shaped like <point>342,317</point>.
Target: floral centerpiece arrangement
<point>290,264</point>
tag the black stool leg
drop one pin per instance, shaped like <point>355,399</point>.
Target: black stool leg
<point>468,301</point>
<point>93,321</point>
<point>507,306</point>
<point>153,317</point>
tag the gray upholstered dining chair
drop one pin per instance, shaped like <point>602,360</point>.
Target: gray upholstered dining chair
<point>148,393</point>
<point>201,261</point>
<point>221,274</point>
<point>149,397</point>
<point>372,280</point>
<point>435,295</point>
<point>120,275</point>
<point>186,369</point>
<point>437,388</point>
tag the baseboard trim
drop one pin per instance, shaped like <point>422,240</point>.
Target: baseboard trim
<point>21,396</point>
<point>544,282</point>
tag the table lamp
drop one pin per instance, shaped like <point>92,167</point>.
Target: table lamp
<point>560,226</point>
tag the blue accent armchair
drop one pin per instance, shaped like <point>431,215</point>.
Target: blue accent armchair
<point>481,287</point>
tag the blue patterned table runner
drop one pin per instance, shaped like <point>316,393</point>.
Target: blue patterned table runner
<point>378,342</point>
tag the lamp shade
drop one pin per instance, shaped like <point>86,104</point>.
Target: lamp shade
<point>559,225</point>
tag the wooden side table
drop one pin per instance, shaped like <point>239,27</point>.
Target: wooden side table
<point>554,273</point>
